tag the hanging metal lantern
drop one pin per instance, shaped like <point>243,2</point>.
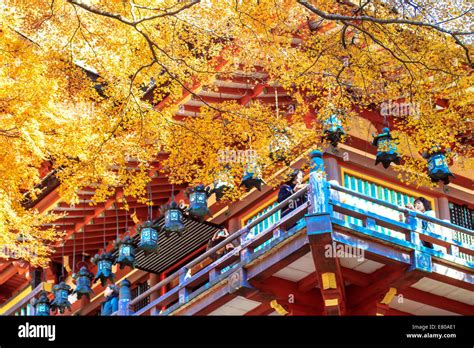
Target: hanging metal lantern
<point>386,149</point>
<point>280,145</point>
<point>333,130</point>
<point>104,264</point>
<point>126,252</point>
<point>438,169</point>
<point>42,305</point>
<point>252,178</point>
<point>148,237</point>
<point>221,188</point>
<point>223,184</point>
<point>83,280</point>
<point>198,201</point>
<point>173,220</point>
<point>61,293</point>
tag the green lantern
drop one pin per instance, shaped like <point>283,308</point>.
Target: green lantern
<point>126,252</point>
<point>173,220</point>
<point>252,178</point>
<point>104,264</point>
<point>198,201</point>
<point>438,169</point>
<point>386,149</point>
<point>223,184</point>
<point>280,145</point>
<point>42,305</point>
<point>61,293</point>
<point>83,280</point>
<point>333,130</point>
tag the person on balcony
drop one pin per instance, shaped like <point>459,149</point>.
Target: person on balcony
<point>293,185</point>
<point>110,305</point>
<point>422,205</point>
<point>218,237</point>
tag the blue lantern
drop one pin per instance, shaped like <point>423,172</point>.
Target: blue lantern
<point>104,264</point>
<point>126,252</point>
<point>386,149</point>
<point>42,305</point>
<point>438,169</point>
<point>173,220</point>
<point>83,280</point>
<point>198,202</point>
<point>333,130</point>
<point>61,293</point>
<point>148,237</point>
<point>252,178</point>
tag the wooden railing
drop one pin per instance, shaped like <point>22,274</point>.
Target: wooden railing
<point>440,233</point>
<point>211,273</point>
<point>21,304</point>
<point>410,235</point>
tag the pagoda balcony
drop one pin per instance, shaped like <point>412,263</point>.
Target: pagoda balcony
<point>22,303</point>
<point>341,251</point>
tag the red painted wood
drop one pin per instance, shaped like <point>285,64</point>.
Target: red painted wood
<point>438,301</point>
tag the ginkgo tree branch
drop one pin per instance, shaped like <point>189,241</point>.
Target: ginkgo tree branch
<point>135,24</point>
<point>9,134</point>
<point>152,46</point>
<point>365,18</point>
<point>127,21</point>
<point>339,17</point>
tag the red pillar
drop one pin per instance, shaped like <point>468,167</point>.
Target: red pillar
<point>443,208</point>
<point>152,281</point>
<point>332,169</point>
<point>233,224</point>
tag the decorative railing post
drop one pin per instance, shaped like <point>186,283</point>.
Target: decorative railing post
<point>32,307</point>
<point>244,253</point>
<point>320,235</point>
<point>318,219</point>
<point>183,293</point>
<point>318,194</point>
<point>125,296</point>
<point>412,221</point>
<point>420,261</point>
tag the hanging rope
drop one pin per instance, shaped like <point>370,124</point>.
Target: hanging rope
<point>126,221</point>
<point>84,237</point>
<point>385,122</point>
<point>276,103</point>
<point>116,215</point>
<point>104,229</point>
<point>150,210</point>
<point>62,263</point>
<point>330,105</point>
<point>74,256</point>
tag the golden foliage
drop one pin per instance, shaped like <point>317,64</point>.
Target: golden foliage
<point>74,74</point>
